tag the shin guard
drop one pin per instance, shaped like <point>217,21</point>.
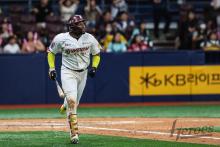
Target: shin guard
<point>72,118</point>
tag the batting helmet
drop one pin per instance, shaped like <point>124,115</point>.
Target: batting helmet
<point>73,23</point>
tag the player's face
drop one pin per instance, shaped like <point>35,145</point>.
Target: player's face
<point>82,26</point>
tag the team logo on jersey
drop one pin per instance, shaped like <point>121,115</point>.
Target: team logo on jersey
<point>76,50</point>
<point>67,51</point>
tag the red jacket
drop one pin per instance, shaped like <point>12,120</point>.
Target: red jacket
<point>138,47</point>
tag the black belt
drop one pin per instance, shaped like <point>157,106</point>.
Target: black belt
<point>80,70</point>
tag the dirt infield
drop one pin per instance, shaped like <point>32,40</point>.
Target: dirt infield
<point>149,128</point>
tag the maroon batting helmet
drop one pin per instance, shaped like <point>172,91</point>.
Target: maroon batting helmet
<point>73,24</point>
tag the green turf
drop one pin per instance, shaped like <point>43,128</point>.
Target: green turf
<point>142,111</point>
<point>61,139</point>
<point>217,129</point>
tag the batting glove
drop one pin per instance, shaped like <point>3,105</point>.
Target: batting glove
<point>92,72</point>
<point>52,74</point>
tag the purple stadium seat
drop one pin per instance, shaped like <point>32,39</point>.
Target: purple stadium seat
<point>28,27</point>
<point>16,9</point>
<point>28,18</point>
<point>54,28</point>
<point>53,19</point>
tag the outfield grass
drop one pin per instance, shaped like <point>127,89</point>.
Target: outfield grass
<point>212,111</point>
<point>61,139</point>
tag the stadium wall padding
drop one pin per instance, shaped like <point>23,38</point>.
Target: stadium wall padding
<point>24,78</point>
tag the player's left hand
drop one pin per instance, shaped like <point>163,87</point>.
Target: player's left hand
<point>92,72</point>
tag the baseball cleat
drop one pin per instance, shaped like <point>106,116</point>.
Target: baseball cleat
<point>75,139</point>
<point>62,109</point>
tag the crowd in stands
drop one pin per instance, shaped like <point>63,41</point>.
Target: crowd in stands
<point>200,31</point>
<point>114,26</point>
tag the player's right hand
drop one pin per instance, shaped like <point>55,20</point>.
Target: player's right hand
<point>52,74</point>
<point>92,72</point>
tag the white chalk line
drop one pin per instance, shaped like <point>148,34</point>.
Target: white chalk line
<point>57,125</point>
<point>121,122</point>
<point>148,132</point>
<point>195,120</point>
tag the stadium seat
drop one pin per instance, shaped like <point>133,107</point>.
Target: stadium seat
<point>16,9</point>
<point>28,27</point>
<point>28,18</point>
<point>54,28</point>
<point>53,19</point>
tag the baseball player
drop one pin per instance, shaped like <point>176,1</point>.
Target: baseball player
<point>76,47</point>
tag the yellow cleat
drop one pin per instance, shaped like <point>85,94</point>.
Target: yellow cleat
<point>62,109</point>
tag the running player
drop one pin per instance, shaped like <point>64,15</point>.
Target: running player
<point>76,47</point>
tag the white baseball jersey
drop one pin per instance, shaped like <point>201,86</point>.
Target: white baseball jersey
<point>75,53</point>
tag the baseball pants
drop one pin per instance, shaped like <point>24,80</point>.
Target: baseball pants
<point>73,83</point>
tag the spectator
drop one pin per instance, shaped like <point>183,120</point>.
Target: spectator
<point>68,8</point>
<point>12,47</point>
<point>105,19</point>
<point>115,27</point>
<point>41,11</point>
<point>143,32</point>
<point>213,43</point>
<point>182,28</point>
<point>138,44</point>
<point>124,23</point>
<point>191,24</point>
<point>160,11</point>
<point>32,44</point>
<point>117,45</point>
<point>92,13</point>
<point>215,4</point>
<point>7,29</point>
<point>107,37</point>
<point>189,28</point>
<point>109,34</point>
<point>199,35</point>
<point>118,6</point>
<point>211,12</point>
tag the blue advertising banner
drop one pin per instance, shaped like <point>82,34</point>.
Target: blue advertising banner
<point>24,78</point>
